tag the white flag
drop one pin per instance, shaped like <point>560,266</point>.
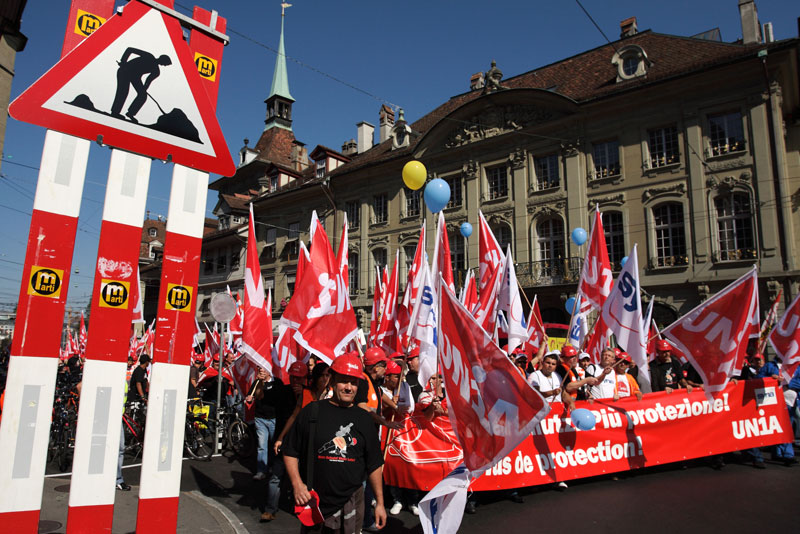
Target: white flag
<point>442,509</point>
<point>511,304</point>
<point>423,325</point>
<point>622,313</point>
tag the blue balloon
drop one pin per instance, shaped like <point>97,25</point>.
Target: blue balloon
<point>583,419</point>
<point>570,304</point>
<point>466,229</point>
<point>579,236</point>
<point>623,261</point>
<point>437,195</point>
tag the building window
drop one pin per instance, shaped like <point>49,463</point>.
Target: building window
<point>235,258</point>
<point>273,183</point>
<point>352,272</point>
<point>380,208</point>
<point>670,235</point>
<point>269,284</point>
<point>662,147</point>
<point>605,158</point>
<point>615,238</point>
<point>222,261</point>
<point>631,61</point>
<point>153,232</point>
<point>502,232</point>
<point>379,261</point>
<point>409,251</point>
<point>550,238</point>
<point>725,133</point>
<point>457,256</point>
<point>237,220</point>
<point>293,239</point>
<point>353,210</point>
<point>412,203</point>
<point>224,223</point>
<point>269,245</point>
<point>208,264</point>
<point>735,227</point>
<point>546,170</point>
<point>455,192</point>
<point>497,182</point>
<point>321,167</point>
<point>290,281</point>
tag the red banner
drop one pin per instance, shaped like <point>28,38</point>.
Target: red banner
<point>660,429</point>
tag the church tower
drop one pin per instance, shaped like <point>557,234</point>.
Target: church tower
<point>279,102</point>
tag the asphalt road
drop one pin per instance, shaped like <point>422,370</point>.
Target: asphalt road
<point>666,499</point>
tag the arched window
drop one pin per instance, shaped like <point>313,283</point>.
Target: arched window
<point>550,238</point>
<point>457,256</point>
<point>670,235</point>
<point>352,272</point>
<point>615,238</point>
<point>735,235</point>
<point>502,232</point>
<point>378,263</point>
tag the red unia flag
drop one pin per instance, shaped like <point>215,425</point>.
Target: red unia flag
<point>599,340</point>
<point>257,324</point>
<point>491,406</point>
<point>785,338</point>
<point>470,298</point>
<point>387,329</point>
<point>411,296</point>
<point>285,353</point>
<point>341,255</point>
<point>596,278</point>
<point>442,262</point>
<point>136,299</point>
<point>320,310</point>
<point>714,335</point>
<point>485,312</point>
<point>491,255</point>
<point>83,336</point>
<point>536,331</point>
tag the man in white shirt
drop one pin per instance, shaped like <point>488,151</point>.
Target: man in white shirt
<point>606,379</point>
<point>546,381</point>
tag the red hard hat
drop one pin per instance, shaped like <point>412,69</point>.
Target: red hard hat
<point>625,357</point>
<point>505,349</point>
<point>414,353</point>
<point>199,357</point>
<point>348,364</point>
<point>757,356</point>
<point>298,369</point>
<point>663,344</point>
<point>392,368</point>
<point>216,357</point>
<point>374,356</point>
<point>617,351</point>
<point>568,351</point>
<point>397,355</point>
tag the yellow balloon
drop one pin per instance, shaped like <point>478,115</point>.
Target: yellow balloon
<point>414,174</point>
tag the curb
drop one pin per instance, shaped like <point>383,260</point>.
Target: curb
<point>227,518</point>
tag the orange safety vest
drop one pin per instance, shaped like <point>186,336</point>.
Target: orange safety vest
<point>373,396</point>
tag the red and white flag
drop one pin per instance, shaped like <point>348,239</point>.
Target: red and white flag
<point>598,341</point>
<point>84,335</point>
<point>377,300</point>
<point>286,352</point>
<point>387,329</point>
<point>491,406</point>
<point>212,345</point>
<point>423,327</point>
<point>622,314</point>
<point>470,299</point>
<point>769,321</point>
<point>341,255</point>
<point>320,310</point>
<point>486,310</point>
<point>511,303</point>
<point>136,299</point>
<point>536,332</point>
<point>442,262</point>
<point>785,338</point>
<point>714,335</point>
<point>257,324</point>
<point>596,278</point>
<point>491,255</point>
<point>413,284</point>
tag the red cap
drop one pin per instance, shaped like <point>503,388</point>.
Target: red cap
<point>625,357</point>
<point>663,345</point>
<point>216,357</point>
<point>298,369</point>
<point>568,351</point>
<point>757,356</point>
<point>414,353</point>
<point>505,349</point>
<point>199,358</point>
<point>310,514</point>
<point>348,364</point>
<point>397,355</point>
<point>617,351</point>
<point>374,356</point>
<point>393,368</point>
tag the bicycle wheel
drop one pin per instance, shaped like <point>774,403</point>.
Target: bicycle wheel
<point>63,451</point>
<point>199,442</point>
<point>240,440</point>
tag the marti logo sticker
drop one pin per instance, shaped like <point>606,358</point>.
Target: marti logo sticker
<point>114,294</point>
<point>45,282</point>
<point>178,297</point>
<point>87,23</point>
<point>206,67</point>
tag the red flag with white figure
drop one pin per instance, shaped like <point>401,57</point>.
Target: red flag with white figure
<point>486,310</point>
<point>714,335</point>
<point>413,285</point>
<point>598,341</point>
<point>596,277</point>
<point>212,345</point>
<point>320,310</point>
<point>491,255</point>
<point>536,332</point>
<point>387,329</point>
<point>470,292</point>
<point>257,323</point>
<point>285,353</point>
<point>377,300</point>
<point>442,262</point>
<point>491,406</point>
<point>511,303</point>
<point>785,338</point>
<point>84,335</point>
<point>136,299</point>
<point>341,255</point>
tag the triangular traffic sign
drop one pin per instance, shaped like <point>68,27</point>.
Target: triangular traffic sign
<point>133,82</point>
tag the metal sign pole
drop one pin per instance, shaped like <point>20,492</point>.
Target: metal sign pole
<point>219,384</point>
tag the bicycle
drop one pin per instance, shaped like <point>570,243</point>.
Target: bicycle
<point>63,426</point>
<point>133,421</point>
<point>198,438</point>
<point>238,436</point>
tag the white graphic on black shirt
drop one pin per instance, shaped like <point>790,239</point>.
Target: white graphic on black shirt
<point>338,445</point>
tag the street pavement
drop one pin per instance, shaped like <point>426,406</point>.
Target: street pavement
<point>220,496</point>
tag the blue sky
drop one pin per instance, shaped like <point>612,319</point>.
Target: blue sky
<point>344,60</point>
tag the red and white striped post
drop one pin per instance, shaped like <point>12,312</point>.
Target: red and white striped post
<point>25,429</point>
<point>94,467</point>
<point>166,415</point>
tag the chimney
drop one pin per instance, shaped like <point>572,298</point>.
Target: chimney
<point>627,27</point>
<point>349,148</point>
<point>751,29</point>
<point>769,35</point>
<point>386,123</point>
<point>476,81</point>
<point>366,135</point>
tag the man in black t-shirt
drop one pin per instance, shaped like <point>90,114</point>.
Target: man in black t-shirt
<point>665,371</point>
<point>344,451</point>
<point>137,391</point>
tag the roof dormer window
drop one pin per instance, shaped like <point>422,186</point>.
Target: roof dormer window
<point>631,62</point>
